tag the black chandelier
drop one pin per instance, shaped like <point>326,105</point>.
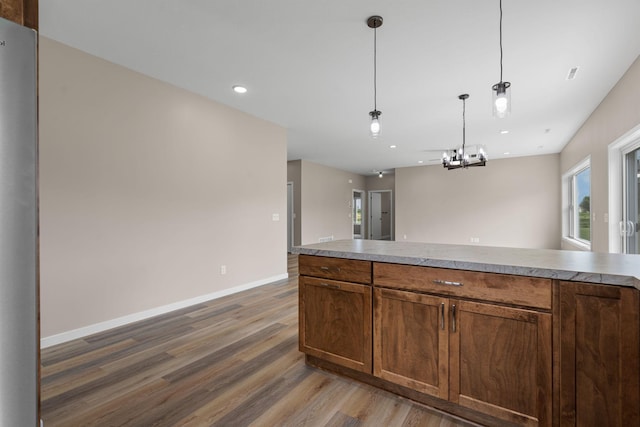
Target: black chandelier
<point>464,157</point>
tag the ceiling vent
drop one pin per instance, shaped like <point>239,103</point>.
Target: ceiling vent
<point>572,73</point>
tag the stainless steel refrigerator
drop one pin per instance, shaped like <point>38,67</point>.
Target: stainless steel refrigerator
<point>19,345</point>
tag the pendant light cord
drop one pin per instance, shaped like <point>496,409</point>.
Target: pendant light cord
<point>375,52</point>
<point>500,41</point>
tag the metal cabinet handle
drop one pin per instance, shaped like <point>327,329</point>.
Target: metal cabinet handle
<point>329,285</point>
<point>442,316</point>
<point>453,317</point>
<point>446,282</point>
<point>329,268</point>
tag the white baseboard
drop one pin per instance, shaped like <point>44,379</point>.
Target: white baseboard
<point>130,318</point>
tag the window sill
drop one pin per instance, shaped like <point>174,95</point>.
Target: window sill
<point>576,244</point>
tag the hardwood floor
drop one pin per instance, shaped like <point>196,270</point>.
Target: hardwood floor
<point>233,361</point>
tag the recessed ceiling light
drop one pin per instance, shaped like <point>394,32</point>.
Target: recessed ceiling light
<point>504,131</point>
<point>393,146</point>
<point>572,73</point>
<point>239,89</point>
<point>420,162</point>
<point>506,153</point>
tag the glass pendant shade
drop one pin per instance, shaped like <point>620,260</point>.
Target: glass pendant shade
<point>501,99</point>
<point>375,124</point>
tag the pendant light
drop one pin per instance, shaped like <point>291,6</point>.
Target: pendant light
<point>375,22</point>
<point>501,90</point>
<point>464,157</point>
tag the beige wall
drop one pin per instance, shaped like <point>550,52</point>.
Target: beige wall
<point>512,203</point>
<point>146,190</point>
<point>326,202</point>
<point>387,182</point>
<point>618,113</point>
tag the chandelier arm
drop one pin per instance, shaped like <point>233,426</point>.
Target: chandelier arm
<point>464,126</point>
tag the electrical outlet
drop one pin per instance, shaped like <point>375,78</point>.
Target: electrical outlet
<point>223,269</point>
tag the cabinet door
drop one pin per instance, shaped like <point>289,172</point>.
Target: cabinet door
<point>335,322</point>
<point>500,361</point>
<point>599,355</point>
<point>411,340</point>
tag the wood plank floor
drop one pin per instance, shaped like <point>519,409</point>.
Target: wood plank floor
<point>233,361</point>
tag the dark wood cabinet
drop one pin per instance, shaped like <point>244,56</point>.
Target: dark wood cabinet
<point>411,340</point>
<point>599,357</point>
<point>23,12</point>
<point>335,316</point>
<point>492,359</point>
<point>495,348</point>
<point>500,361</point>
<point>335,322</point>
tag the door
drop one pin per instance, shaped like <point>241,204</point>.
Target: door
<point>631,201</point>
<point>290,216</point>
<point>411,340</point>
<point>375,215</point>
<point>381,215</point>
<point>623,193</point>
<point>500,361</point>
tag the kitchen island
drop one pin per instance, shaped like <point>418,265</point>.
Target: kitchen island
<point>501,336</point>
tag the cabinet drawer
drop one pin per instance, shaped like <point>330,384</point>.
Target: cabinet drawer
<point>516,290</point>
<point>347,270</point>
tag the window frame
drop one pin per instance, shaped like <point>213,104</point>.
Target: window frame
<point>570,230</point>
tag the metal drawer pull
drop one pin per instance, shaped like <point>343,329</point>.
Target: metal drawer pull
<point>446,282</point>
<point>328,285</point>
<point>329,268</point>
<point>442,316</point>
<point>453,316</point>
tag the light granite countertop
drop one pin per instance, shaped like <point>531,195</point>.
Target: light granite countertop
<point>590,267</point>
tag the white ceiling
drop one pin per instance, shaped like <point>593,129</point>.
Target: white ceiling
<point>308,66</point>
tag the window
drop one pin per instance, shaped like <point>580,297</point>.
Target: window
<point>577,205</point>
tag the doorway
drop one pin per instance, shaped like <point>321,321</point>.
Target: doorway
<point>357,214</point>
<point>381,215</point>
